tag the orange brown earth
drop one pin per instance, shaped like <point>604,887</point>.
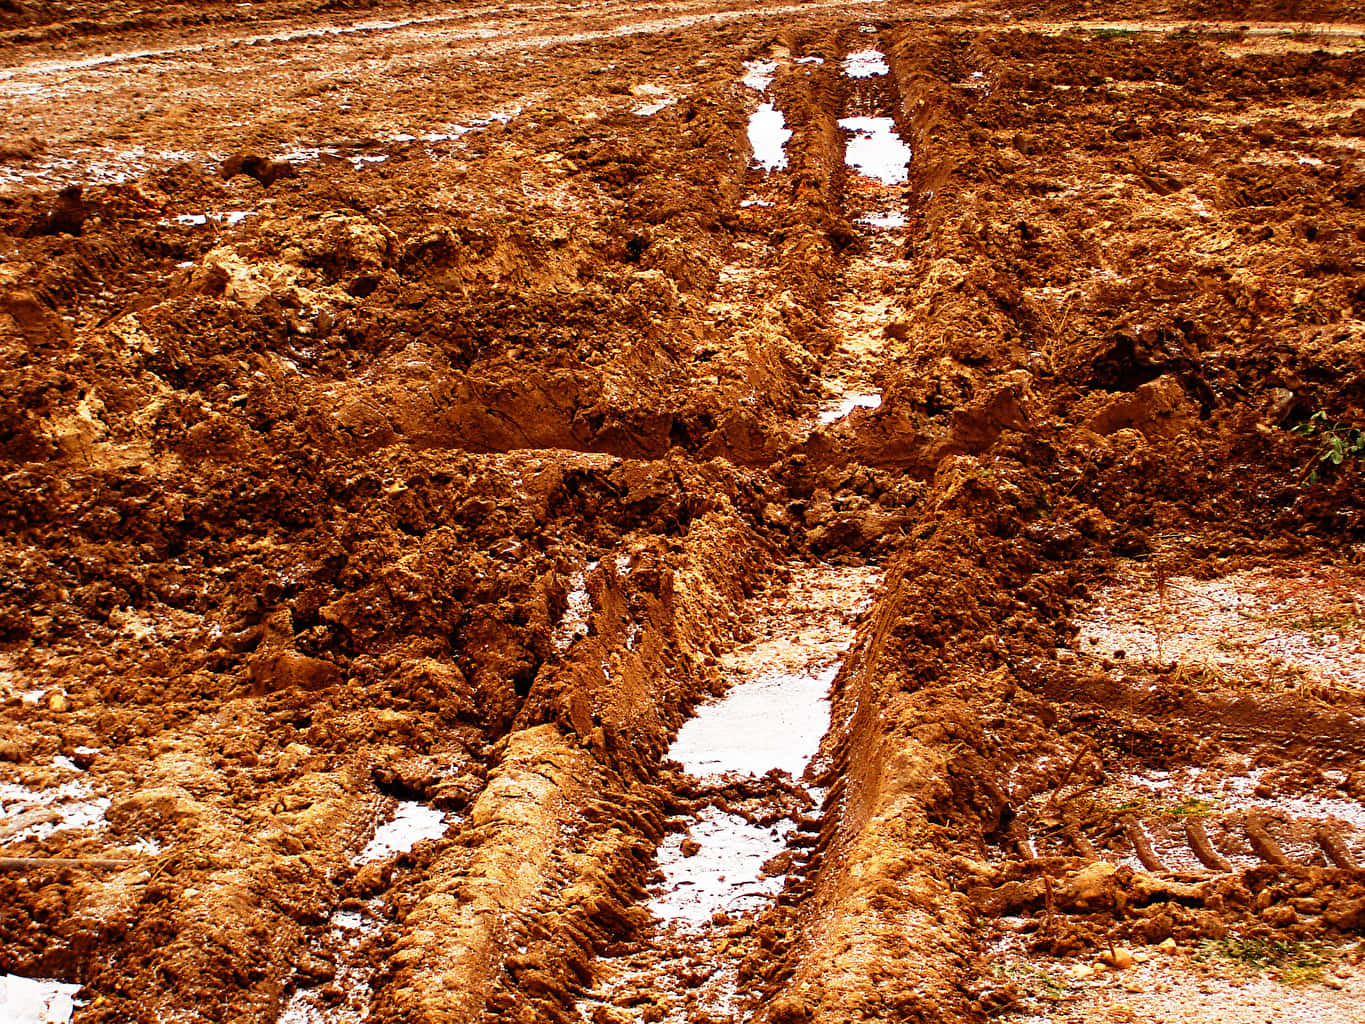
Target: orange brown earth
<point>413,413</point>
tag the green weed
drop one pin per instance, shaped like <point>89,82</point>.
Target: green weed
<point>1288,961</point>
<point>1031,980</point>
<point>1337,443</point>
<point>1192,807</point>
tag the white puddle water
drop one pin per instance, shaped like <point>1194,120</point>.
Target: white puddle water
<point>574,624</point>
<point>768,135</point>
<point>349,935</point>
<point>36,814</point>
<point>773,717</point>
<point>725,874</point>
<point>835,413</point>
<point>28,1001</point>
<point>759,74</point>
<point>773,721</point>
<point>875,150</point>
<point>866,64</point>
<point>229,217</point>
<point>883,220</point>
<point>413,822</point>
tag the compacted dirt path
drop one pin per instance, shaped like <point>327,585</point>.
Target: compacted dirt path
<point>795,513</point>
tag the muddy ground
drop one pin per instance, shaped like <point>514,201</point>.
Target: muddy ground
<point>412,412</point>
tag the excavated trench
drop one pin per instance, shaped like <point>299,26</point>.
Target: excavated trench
<point>799,514</point>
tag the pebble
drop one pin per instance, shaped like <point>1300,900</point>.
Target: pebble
<point>1119,959</point>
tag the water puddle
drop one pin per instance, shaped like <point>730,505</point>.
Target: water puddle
<point>37,813</point>
<point>1282,625</point>
<point>866,64</point>
<point>882,221</point>
<point>348,939</point>
<point>650,109</point>
<point>875,150</point>
<point>773,721</point>
<point>768,135</point>
<point>413,822</point>
<point>759,74</point>
<point>28,1001</point>
<point>837,412</point>
<point>724,872</point>
<point>574,623</point>
<point>231,218</point>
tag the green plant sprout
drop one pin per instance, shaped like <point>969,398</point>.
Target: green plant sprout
<point>1338,442</point>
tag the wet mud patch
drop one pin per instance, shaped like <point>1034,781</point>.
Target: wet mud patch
<point>745,755</point>
<point>1284,625</point>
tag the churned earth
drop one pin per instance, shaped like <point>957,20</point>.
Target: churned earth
<point>700,511</point>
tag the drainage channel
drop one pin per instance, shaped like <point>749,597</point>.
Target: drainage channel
<point>747,758</point>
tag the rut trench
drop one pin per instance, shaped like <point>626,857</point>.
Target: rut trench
<point>730,875</point>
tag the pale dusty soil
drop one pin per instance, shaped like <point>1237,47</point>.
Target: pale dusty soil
<point>1172,989</point>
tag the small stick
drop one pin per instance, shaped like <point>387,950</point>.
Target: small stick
<point>1161,609</point>
<point>1203,847</point>
<point>1066,775</point>
<point>1018,834</point>
<point>1141,844</point>
<point>20,863</point>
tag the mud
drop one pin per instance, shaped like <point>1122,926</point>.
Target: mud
<point>450,454</point>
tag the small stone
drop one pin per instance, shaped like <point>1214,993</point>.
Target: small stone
<point>690,847</point>
<point>1119,959</point>
<point>1167,946</point>
<point>57,701</point>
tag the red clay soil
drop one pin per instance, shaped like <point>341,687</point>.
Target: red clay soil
<point>337,366</point>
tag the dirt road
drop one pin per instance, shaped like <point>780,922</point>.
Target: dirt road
<point>707,512</point>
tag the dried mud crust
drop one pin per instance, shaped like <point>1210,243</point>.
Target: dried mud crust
<point>447,469</point>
